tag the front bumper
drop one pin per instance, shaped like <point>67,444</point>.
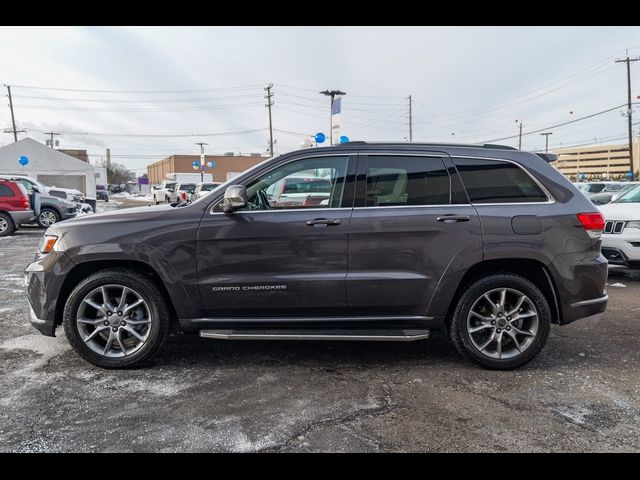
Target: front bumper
<point>44,278</point>
<point>622,248</point>
<point>22,216</point>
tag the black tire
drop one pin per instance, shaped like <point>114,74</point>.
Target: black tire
<point>459,331</point>
<point>159,325</point>
<point>6,224</point>
<point>166,200</point>
<point>46,212</point>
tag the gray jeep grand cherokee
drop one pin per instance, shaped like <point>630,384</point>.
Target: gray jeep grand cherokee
<point>489,242</point>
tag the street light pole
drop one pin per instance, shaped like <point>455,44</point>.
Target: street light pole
<point>202,144</point>
<point>546,141</point>
<point>332,94</point>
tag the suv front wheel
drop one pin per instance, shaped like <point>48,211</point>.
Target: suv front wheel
<point>116,319</point>
<point>501,321</point>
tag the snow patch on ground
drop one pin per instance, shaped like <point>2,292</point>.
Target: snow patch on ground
<point>576,415</point>
<point>46,348</point>
<point>619,285</point>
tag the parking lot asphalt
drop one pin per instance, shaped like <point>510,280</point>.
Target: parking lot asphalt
<point>582,393</point>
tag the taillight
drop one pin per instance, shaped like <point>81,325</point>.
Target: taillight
<point>591,221</point>
<point>184,195</point>
<point>25,202</point>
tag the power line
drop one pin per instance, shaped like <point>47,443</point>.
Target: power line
<point>555,126</point>
<point>167,109</point>
<point>154,135</point>
<point>242,87</point>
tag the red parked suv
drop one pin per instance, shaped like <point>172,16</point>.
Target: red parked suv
<point>15,207</point>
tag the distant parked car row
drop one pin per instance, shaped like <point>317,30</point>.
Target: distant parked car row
<point>176,192</point>
<point>601,193</point>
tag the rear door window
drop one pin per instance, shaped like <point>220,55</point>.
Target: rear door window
<point>495,181</point>
<point>396,181</point>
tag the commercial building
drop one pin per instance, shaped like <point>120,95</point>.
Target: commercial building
<point>51,167</point>
<point>223,164</point>
<point>598,161</point>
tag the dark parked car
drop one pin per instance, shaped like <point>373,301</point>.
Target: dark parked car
<point>15,207</point>
<point>102,193</point>
<point>489,242</point>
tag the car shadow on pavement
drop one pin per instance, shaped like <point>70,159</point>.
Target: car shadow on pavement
<point>191,349</point>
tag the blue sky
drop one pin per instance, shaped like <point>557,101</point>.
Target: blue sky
<point>468,84</point>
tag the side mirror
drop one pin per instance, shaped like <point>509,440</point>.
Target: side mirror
<point>235,198</point>
<point>35,189</point>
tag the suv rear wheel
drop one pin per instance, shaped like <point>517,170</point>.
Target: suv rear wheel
<point>116,319</point>
<point>6,225</point>
<point>501,321</point>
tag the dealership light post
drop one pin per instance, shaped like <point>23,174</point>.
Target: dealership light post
<point>332,94</point>
<point>546,141</point>
<point>202,144</point>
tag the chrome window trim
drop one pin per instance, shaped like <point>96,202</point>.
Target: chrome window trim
<point>442,205</point>
<point>431,154</point>
<point>283,210</point>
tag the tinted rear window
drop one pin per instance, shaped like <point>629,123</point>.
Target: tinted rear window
<point>493,181</point>
<point>188,187</point>
<point>406,180</point>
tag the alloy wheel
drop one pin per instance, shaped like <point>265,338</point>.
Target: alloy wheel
<point>502,323</point>
<point>47,218</point>
<point>114,320</point>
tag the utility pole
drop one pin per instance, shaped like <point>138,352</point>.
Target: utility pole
<point>269,96</point>
<point>51,143</point>
<point>202,144</point>
<point>520,135</point>
<point>630,123</point>
<point>13,118</point>
<point>332,94</point>
<point>410,121</point>
<point>546,141</point>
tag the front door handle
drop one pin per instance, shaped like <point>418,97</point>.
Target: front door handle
<point>323,221</point>
<point>453,218</point>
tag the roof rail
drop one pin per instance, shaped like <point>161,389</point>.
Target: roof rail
<point>435,144</point>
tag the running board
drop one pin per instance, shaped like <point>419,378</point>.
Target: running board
<point>381,335</point>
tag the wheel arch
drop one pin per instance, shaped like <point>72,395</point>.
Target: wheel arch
<point>533,270</point>
<point>83,270</point>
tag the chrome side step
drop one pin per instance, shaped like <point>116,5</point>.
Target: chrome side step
<point>381,335</point>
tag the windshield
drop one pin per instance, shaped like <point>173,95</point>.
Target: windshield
<point>169,184</point>
<point>631,196</point>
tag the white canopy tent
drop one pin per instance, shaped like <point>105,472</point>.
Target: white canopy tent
<point>49,166</point>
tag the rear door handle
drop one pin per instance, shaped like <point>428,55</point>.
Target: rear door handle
<point>323,221</point>
<point>453,218</point>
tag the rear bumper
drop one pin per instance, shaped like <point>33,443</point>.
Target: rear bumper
<point>580,279</point>
<point>586,308</point>
<point>22,216</point>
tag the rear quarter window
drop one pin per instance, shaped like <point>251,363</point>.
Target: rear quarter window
<point>5,191</point>
<point>495,181</point>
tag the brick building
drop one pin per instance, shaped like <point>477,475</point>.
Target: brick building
<point>184,164</point>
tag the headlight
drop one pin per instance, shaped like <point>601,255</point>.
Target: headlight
<point>634,224</point>
<point>47,243</point>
